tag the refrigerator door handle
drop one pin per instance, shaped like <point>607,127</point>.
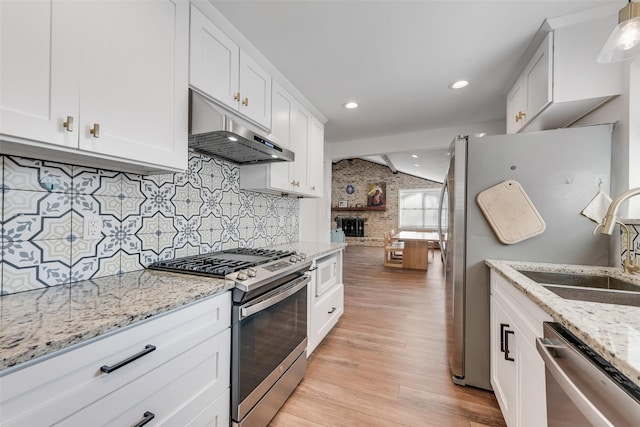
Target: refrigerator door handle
<point>443,251</point>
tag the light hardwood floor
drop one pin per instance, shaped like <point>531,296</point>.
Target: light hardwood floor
<point>384,364</point>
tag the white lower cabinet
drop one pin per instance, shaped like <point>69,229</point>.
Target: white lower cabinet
<point>517,371</point>
<point>181,376</point>
<point>326,299</point>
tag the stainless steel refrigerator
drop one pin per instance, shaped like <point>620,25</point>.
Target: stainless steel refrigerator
<point>561,171</point>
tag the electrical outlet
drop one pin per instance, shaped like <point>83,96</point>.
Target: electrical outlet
<point>92,227</point>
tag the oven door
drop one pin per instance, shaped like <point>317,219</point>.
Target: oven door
<point>269,336</point>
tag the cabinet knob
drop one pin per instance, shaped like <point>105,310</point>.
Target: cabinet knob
<point>95,130</point>
<point>313,188</point>
<point>520,116</point>
<point>293,183</point>
<point>245,102</point>
<point>236,96</point>
<point>68,124</point>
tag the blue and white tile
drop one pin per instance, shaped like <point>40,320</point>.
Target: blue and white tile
<point>89,180</point>
<point>211,202</point>
<point>132,186</point>
<point>247,202</point>
<point>194,168</point>
<point>158,198</point>
<point>260,226</point>
<point>109,206</point>
<point>210,174</point>
<point>110,185</point>
<point>130,262</point>
<point>272,207</point>
<point>35,215</point>
<point>230,229</point>
<point>230,207</point>
<point>166,233</point>
<point>36,175</point>
<point>206,229</point>
<point>34,264</point>
<point>230,177</point>
<point>187,232</point>
<point>187,250</point>
<point>88,254</point>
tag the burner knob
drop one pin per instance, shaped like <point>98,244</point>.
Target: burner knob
<point>252,272</point>
<point>242,275</point>
<point>294,258</point>
<point>302,256</point>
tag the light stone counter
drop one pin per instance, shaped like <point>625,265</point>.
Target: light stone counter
<point>613,331</point>
<point>36,323</point>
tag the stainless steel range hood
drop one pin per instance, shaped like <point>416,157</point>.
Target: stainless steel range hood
<point>215,132</point>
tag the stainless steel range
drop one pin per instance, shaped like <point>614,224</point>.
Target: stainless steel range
<point>269,325</point>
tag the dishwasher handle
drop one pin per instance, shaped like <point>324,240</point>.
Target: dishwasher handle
<point>582,402</point>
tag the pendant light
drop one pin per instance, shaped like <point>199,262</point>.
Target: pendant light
<point>624,42</point>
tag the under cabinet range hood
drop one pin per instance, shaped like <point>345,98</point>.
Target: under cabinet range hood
<point>214,132</point>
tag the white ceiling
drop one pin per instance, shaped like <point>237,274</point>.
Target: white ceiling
<point>397,58</point>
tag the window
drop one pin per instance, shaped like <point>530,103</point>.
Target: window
<point>419,209</point>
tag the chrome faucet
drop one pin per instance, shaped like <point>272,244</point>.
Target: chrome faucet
<point>609,222</point>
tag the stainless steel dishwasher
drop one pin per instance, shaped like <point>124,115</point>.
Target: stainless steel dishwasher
<point>583,389</point>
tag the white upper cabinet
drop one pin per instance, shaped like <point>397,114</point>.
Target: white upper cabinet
<point>295,128</point>
<point>315,158</point>
<point>83,77</point>
<point>562,82</point>
<point>220,69</point>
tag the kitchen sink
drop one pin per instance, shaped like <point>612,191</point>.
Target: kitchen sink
<point>584,287</point>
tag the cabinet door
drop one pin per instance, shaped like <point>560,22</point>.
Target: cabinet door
<point>134,80</point>
<point>504,372</point>
<point>516,115</point>
<point>39,71</point>
<point>300,122</point>
<point>531,386</point>
<point>538,78</point>
<point>282,109</point>
<point>255,91</point>
<point>315,158</point>
<point>214,61</point>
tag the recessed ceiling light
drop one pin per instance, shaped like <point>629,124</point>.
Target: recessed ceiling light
<point>459,84</point>
<point>351,105</point>
<point>415,156</point>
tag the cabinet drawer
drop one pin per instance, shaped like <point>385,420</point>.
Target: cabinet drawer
<point>59,385</point>
<point>328,310</point>
<point>172,392</point>
<point>524,312</point>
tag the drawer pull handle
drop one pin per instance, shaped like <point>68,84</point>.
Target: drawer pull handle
<point>95,130</point>
<point>502,326</point>
<point>148,416</point>
<point>68,125</point>
<point>506,346</point>
<point>332,310</point>
<point>147,349</point>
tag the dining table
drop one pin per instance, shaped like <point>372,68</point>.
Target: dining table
<point>416,248</point>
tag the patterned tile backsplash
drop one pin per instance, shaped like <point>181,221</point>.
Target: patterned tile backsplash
<point>143,219</point>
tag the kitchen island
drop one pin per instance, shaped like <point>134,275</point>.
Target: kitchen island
<point>613,331</point>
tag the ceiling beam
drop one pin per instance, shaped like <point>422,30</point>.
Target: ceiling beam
<point>387,161</point>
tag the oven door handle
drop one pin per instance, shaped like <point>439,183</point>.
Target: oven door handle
<point>249,309</point>
<point>582,402</point>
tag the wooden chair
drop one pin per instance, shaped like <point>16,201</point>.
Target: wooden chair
<point>392,251</point>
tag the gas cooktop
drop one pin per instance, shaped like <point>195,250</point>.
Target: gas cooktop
<point>220,264</point>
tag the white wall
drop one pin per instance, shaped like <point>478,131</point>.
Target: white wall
<point>315,214</point>
<point>429,139</point>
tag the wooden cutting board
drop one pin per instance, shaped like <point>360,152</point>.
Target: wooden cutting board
<point>510,212</point>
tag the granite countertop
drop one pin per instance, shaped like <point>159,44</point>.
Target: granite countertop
<point>36,323</point>
<point>613,331</point>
